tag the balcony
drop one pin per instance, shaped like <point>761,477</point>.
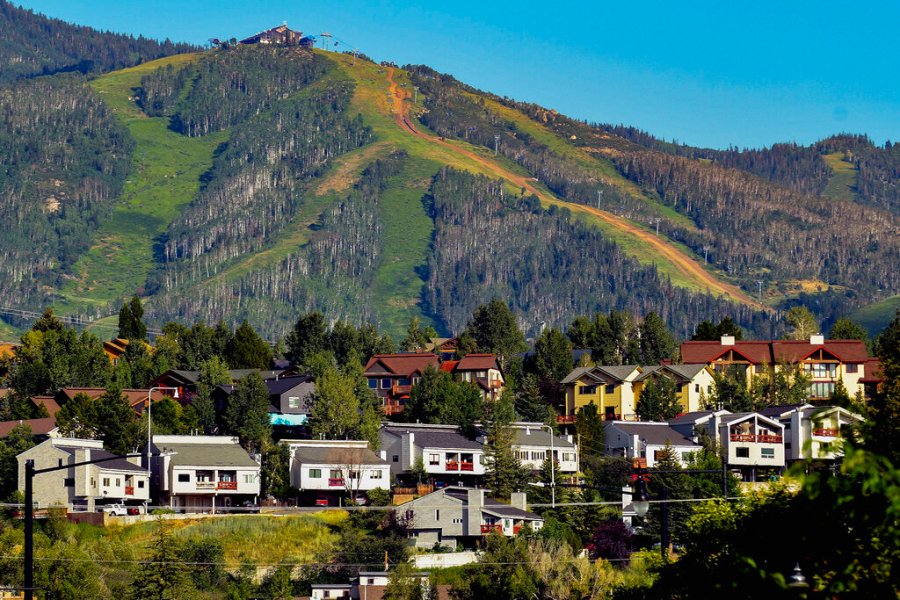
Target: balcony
<point>466,466</point>
<point>565,419</point>
<point>335,482</point>
<point>392,409</point>
<point>227,485</point>
<point>206,485</point>
<point>491,528</point>
<point>826,432</point>
<point>761,439</point>
<point>452,465</point>
<point>129,490</point>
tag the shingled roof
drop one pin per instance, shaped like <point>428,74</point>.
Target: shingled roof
<point>405,364</point>
<point>773,351</point>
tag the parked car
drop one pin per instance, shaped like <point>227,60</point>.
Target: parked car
<point>117,510</point>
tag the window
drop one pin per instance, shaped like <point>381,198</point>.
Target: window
<point>69,482</point>
<point>437,514</point>
<point>93,483</point>
<point>118,482</point>
<point>742,452</point>
<point>59,463</point>
<point>852,367</point>
<point>293,401</point>
<point>767,452</point>
<point>403,381</point>
<point>336,474</point>
<point>371,581</point>
<point>376,474</point>
<point>760,368</point>
<point>395,458</point>
<point>184,477</point>
<point>106,482</point>
<point>821,389</point>
<point>697,388</point>
<point>610,389</point>
<point>385,384</point>
<point>140,484</point>
<point>353,474</point>
<point>373,383</point>
<point>587,389</point>
<point>434,459</point>
<point>821,370</point>
<point>315,473</point>
<point>457,521</point>
<point>326,594</point>
<point>249,477</point>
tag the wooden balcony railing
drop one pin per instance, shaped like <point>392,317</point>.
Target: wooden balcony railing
<point>227,485</point>
<point>826,432</point>
<point>466,466</point>
<point>452,465</point>
<point>335,482</point>
<point>565,419</point>
<point>488,528</point>
<point>129,490</point>
<point>761,439</point>
<point>392,409</point>
<point>206,485</point>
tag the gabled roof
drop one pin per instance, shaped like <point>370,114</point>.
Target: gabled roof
<point>337,456</point>
<point>477,362</point>
<point>403,365</point>
<point>533,436</point>
<point>819,411</point>
<point>491,506</point>
<point>697,416</point>
<point>782,410</point>
<point>601,373</point>
<point>705,352</point>
<point>116,463</point>
<point>657,434</point>
<point>134,397</point>
<point>680,373</point>
<point>48,402</point>
<point>282,385</point>
<point>774,351</point>
<point>41,426</point>
<point>796,350</point>
<point>192,454</point>
<point>434,436</point>
<point>735,418</point>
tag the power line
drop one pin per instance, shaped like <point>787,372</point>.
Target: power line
<point>67,319</point>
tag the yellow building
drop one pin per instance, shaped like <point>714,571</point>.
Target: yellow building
<point>607,387</point>
<point>692,383</point>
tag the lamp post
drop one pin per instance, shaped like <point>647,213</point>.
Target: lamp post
<point>150,420</point>
<point>552,466</point>
<point>641,505</point>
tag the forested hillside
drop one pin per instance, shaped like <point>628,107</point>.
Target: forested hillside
<point>63,160</point>
<point>33,44</point>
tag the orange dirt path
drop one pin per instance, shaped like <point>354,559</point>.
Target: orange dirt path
<point>685,264</point>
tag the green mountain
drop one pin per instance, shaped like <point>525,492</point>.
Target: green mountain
<point>258,182</point>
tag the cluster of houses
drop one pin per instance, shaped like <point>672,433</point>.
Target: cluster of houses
<point>435,472</point>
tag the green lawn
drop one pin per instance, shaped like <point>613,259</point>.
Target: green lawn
<point>875,317</point>
<point>842,183</point>
<point>164,178</point>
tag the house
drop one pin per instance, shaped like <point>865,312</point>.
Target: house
<point>48,403</point>
<point>813,432</point>
<point>136,398</point>
<point>445,348</point>
<point>531,445</point>
<point>290,399</point>
<point>824,361</point>
<point>203,472</point>
<point>647,440</point>
<point>609,388</point>
<point>116,480</point>
<point>752,444</point>
<point>115,349</point>
<point>456,515</point>
<point>482,370</point>
<point>392,376</point>
<point>42,428</point>
<point>446,455</point>
<point>330,470</point>
<point>693,383</point>
<point>277,36</point>
<point>186,381</point>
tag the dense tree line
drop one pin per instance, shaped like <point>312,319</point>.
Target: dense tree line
<point>37,45</point>
<point>228,87</point>
<point>552,268</point>
<point>63,161</point>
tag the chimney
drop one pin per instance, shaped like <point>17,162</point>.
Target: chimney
<point>518,500</point>
<point>727,340</point>
<point>474,504</point>
<point>817,339</point>
<point>528,431</point>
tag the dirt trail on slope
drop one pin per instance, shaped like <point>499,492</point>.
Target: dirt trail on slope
<point>682,262</point>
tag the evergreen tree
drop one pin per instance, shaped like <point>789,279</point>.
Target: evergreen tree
<point>131,321</point>
<point>731,392</point>
<point>344,341</point>
<point>788,384</point>
<point>707,331</point>
<point>530,404</point>
<point>117,423</point>
<point>504,474</point>
<point>673,486</point>
<point>164,576</point>
<point>881,429</point>
<point>552,362</point>
<point>656,341</point>
<point>247,413</point>
<point>581,332</point>
<point>246,350</point>
<point>417,337</point>
<point>845,329</point>
<point>589,426</point>
<point>19,440</point>
<point>140,364</point>
<point>371,343</point>
<point>308,337</point>
<point>493,328</point>
<point>78,418</point>
<point>658,401</point>
<point>213,373</point>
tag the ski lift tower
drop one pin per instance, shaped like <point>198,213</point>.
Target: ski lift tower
<point>325,37</point>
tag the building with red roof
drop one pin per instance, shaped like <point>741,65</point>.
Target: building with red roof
<point>392,376</point>
<point>481,369</point>
<point>825,361</point>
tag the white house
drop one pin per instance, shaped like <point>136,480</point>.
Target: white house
<point>446,454</point>
<point>116,479</point>
<point>331,469</point>
<point>647,440</point>
<point>752,442</point>
<point>531,445</point>
<point>813,432</point>
<point>200,473</point>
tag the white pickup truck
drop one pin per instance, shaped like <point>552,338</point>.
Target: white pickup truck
<point>120,510</point>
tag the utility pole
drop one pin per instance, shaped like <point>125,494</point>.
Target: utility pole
<point>496,144</point>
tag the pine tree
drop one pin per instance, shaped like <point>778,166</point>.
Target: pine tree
<point>504,474</point>
<point>164,576</point>
<point>308,337</point>
<point>247,413</point>
<point>552,362</point>
<point>656,341</point>
<point>334,413</point>
<point>493,329</point>
<point>658,401</point>
<point>116,422</point>
<point>246,350</point>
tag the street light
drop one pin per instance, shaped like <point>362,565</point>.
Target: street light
<point>150,420</point>
<point>641,505</point>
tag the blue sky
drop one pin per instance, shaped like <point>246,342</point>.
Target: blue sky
<point>705,73</point>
